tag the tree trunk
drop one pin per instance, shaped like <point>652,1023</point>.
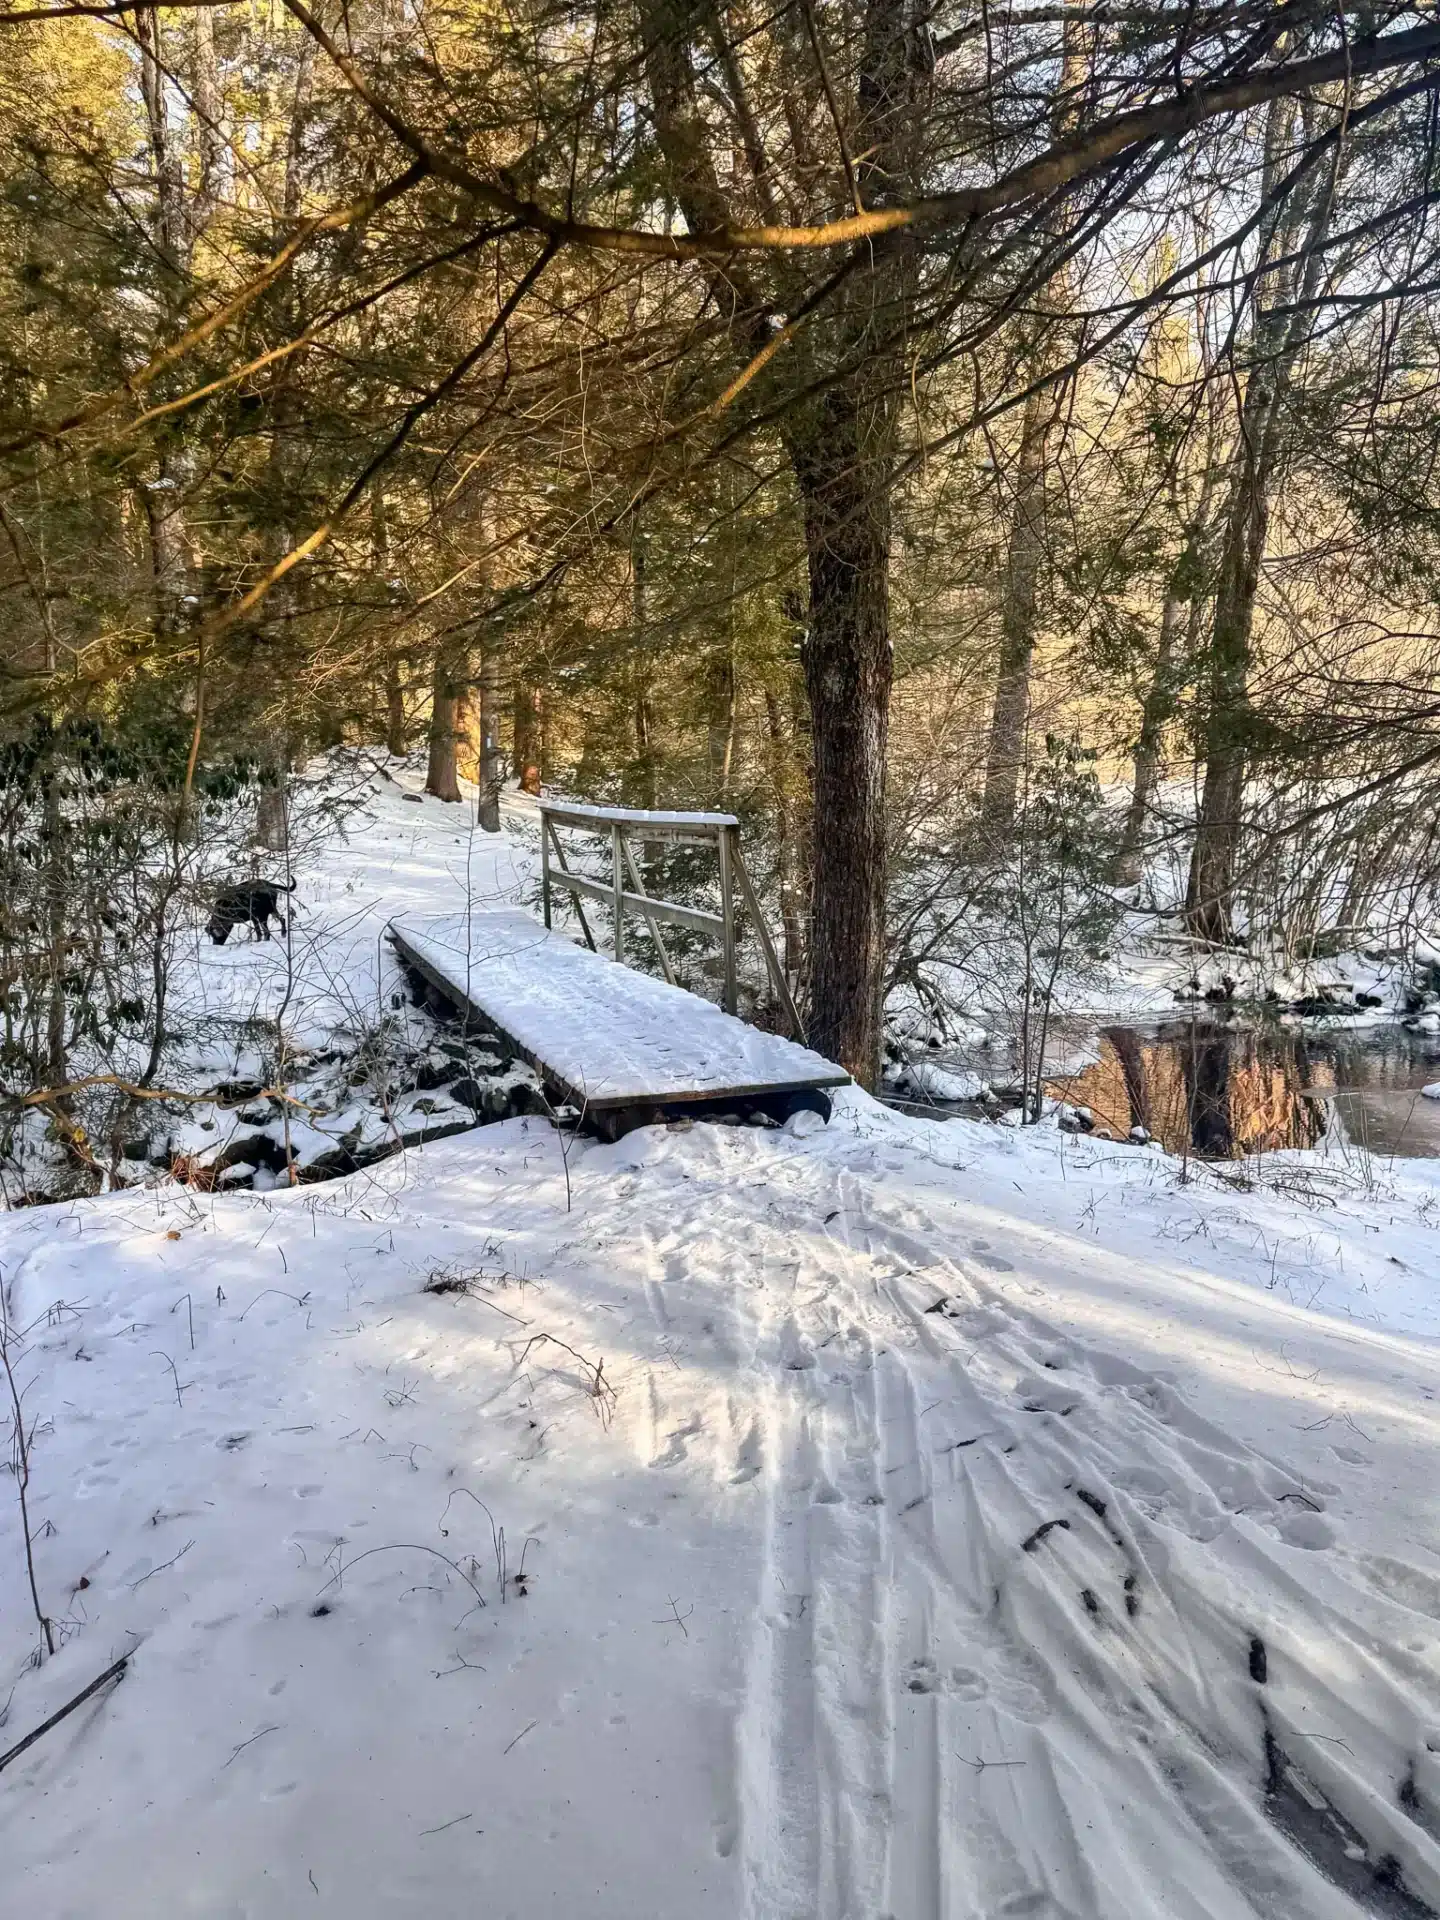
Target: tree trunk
<point>396,742</point>
<point>1018,623</point>
<point>1209,894</point>
<point>487,813</point>
<point>447,721</point>
<point>842,450</point>
<point>721,728</point>
<point>1159,704</point>
<point>529,731</point>
<point>848,671</point>
<point>271,822</point>
<point>1280,329</point>
<point>788,852</point>
<point>1019,618</point>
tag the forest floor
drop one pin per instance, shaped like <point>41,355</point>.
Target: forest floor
<point>897,1518</point>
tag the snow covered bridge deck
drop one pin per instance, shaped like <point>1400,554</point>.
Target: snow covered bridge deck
<point>617,1043</point>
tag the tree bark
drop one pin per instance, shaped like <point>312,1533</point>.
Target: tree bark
<point>271,823</point>
<point>1159,705</point>
<point>841,448</point>
<point>789,862</point>
<point>447,724</point>
<point>529,733</point>
<point>487,813</point>
<point>396,742</point>
<point>848,670</point>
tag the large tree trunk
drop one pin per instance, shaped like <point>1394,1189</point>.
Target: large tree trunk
<point>447,724</point>
<point>848,670</point>
<point>842,452</point>
<point>487,814</point>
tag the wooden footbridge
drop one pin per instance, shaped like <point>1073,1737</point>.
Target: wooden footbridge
<point>622,1047</point>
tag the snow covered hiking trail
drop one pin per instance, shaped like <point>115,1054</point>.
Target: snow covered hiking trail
<point>796,1524</point>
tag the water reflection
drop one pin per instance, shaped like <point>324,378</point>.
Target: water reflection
<point>1220,1092</point>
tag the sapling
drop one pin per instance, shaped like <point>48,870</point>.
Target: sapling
<point>20,1440</point>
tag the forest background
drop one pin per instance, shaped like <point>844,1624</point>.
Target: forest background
<point>990,448</point>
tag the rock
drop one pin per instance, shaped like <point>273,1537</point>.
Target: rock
<point>251,1150</point>
<point>470,1093</point>
<point>436,1070</point>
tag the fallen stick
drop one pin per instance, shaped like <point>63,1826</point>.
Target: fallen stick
<point>110,1673</point>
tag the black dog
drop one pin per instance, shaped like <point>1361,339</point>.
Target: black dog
<point>256,901</point>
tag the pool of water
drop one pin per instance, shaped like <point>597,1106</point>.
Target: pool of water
<point>1222,1090</point>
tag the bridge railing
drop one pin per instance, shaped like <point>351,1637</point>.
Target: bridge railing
<point>624,827</point>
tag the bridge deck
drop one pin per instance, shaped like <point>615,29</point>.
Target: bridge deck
<point>605,1035</point>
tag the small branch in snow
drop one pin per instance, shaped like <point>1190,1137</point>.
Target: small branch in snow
<point>235,1755</point>
<point>675,1617</point>
<point>598,1387</point>
<point>405,1546</point>
<point>111,1673</point>
<point>425,1832</point>
<point>981,1765</point>
<point>300,1299</point>
<point>20,1440</point>
<point>462,1665</point>
<point>164,1564</point>
<point>521,1735</point>
<point>184,1301</point>
<point>155,1354</point>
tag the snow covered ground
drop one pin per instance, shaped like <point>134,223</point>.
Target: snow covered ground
<point>890,1519</point>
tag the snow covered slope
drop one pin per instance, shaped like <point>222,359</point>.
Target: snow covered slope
<point>896,1519</point>
<point>883,1553</point>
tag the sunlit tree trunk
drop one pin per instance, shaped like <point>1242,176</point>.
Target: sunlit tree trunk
<point>529,733</point>
<point>489,770</point>
<point>448,723</point>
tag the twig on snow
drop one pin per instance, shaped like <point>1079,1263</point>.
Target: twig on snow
<point>155,1354</point>
<point>184,1301</point>
<point>675,1617</point>
<point>235,1755</point>
<point>111,1673</point>
<point>164,1564</point>
<point>981,1765</point>
<point>425,1832</point>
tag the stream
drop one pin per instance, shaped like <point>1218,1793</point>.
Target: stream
<point>1220,1090</point>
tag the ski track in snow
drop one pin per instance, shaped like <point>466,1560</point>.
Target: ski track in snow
<point>935,1560</point>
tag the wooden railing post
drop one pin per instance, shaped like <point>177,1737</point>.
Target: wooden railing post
<point>545,832</point>
<point>723,836</point>
<point>617,852</point>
